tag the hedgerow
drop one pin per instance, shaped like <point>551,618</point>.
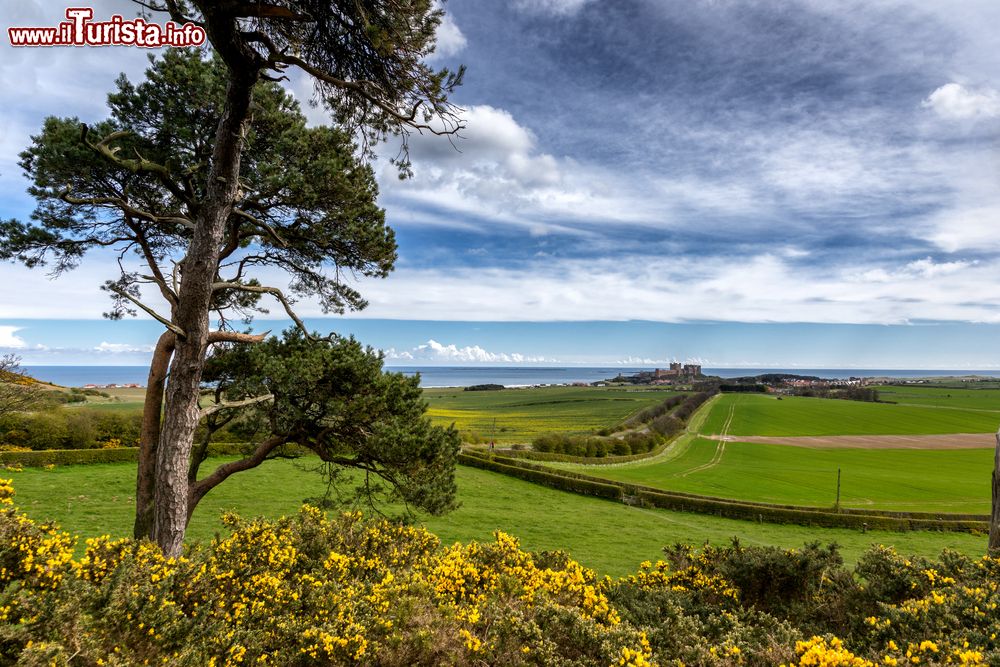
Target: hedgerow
<point>592,446</point>
<point>349,590</point>
<point>652,412</point>
<point>661,421</point>
<point>46,457</point>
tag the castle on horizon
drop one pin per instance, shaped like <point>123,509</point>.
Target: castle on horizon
<point>677,370</point>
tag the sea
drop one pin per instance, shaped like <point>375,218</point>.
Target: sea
<point>509,376</point>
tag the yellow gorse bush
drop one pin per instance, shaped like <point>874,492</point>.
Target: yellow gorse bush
<point>348,590</point>
<point>306,589</point>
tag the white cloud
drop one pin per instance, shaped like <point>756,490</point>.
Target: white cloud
<point>450,39</point>
<point>552,7</point>
<point>437,352</point>
<point>759,288</point>
<point>966,228</point>
<point>640,361</point>
<point>917,269</point>
<point>496,171</point>
<point>955,101</point>
<point>764,287</point>
<point>121,348</point>
<point>8,339</point>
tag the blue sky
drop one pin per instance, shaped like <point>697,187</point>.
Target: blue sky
<point>807,182</point>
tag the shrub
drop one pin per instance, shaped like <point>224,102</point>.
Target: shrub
<point>652,412</point>
<point>46,457</point>
<point>346,590</point>
<point>83,428</point>
<point>302,590</point>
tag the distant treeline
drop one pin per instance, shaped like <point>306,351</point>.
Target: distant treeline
<point>484,387</point>
<point>653,411</point>
<point>70,429</point>
<point>865,394</point>
<point>82,428</point>
<point>771,378</point>
<point>743,388</point>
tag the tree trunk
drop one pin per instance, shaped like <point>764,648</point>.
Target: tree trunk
<point>995,518</point>
<point>150,436</point>
<point>198,273</point>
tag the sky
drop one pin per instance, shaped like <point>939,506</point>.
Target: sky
<point>810,183</point>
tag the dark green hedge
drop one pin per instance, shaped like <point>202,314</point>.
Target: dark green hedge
<point>82,456</point>
<point>582,460</point>
<point>649,414</point>
<point>804,515</point>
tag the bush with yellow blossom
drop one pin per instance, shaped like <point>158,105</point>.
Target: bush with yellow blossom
<point>348,590</point>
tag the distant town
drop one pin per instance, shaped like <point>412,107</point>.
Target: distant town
<point>691,375</point>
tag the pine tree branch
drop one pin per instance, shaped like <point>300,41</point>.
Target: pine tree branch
<point>125,207</point>
<point>263,225</point>
<point>140,165</point>
<point>152,313</point>
<point>154,267</point>
<point>234,337</point>
<point>273,291</point>
<point>227,405</point>
<point>453,124</point>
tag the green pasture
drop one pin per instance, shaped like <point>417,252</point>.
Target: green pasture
<point>889,479</point>
<point>942,397</point>
<point>118,400</point>
<point>765,414</point>
<point>610,537</point>
<point>522,414</point>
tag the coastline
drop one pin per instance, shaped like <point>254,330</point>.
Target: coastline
<point>456,377</point>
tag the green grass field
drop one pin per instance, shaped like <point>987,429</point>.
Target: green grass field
<point>610,537</point>
<point>523,414</point>
<point>889,479</point>
<point>757,414</point>
<point>121,400</point>
<point>520,414</point>
<point>955,480</point>
<point>943,397</point>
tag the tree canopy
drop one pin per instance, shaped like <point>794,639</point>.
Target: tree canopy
<point>331,396</point>
<point>307,205</point>
<point>208,174</point>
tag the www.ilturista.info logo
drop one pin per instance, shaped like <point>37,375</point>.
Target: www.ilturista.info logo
<point>79,30</point>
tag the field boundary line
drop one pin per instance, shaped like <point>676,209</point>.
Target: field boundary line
<point>945,407</point>
<point>720,449</point>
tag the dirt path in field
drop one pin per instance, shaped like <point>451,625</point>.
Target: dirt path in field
<point>948,441</point>
<point>720,449</point>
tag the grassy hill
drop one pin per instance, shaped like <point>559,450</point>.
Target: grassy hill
<point>756,414</point>
<point>901,479</point>
<point>610,537</point>
<point>523,414</point>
